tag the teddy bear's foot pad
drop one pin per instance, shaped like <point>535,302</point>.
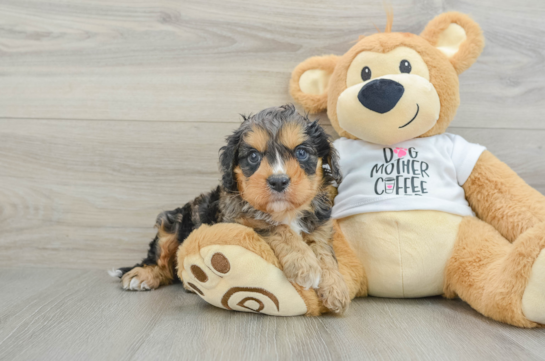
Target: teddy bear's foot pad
<point>533,300</point>
<point>234,278</point>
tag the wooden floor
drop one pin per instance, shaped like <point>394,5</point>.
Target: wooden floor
<point>113,111</point>
<point>56,314</point>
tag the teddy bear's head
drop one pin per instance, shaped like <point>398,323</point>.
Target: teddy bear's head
<point>390,87</point>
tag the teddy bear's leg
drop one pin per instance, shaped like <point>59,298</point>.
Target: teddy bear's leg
<point>231,267</point>
<point>494,276</point>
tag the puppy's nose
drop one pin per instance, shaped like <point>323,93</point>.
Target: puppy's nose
<point>381,95</point>
<point>278,182</point>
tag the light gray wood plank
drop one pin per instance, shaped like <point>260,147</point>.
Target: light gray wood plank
<point>84,315</point>
<point>193,60</point>
<point>74,192</point>
<point>85,194</point>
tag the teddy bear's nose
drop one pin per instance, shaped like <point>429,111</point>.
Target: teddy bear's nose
<point>381,95</point>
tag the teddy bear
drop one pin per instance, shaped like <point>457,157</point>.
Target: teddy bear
<point>420,212</point>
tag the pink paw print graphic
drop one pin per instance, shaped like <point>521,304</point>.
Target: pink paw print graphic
<point>401,152</point>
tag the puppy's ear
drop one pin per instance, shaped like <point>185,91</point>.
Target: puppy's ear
<point>229,160</point>
<point>333,162</point>
<point>458,37</point>
<point>310,80</point>
<point>326,150</point>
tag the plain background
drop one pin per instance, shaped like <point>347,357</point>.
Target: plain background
<point>113,111</point>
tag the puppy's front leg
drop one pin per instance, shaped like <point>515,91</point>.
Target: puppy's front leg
<point>299,262</point>
<point>332,289</point>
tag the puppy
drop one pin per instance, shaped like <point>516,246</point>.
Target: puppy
<point>277,174</point>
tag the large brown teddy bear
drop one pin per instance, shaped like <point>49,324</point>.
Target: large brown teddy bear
<point>420,212</point>
<point>426,212</point>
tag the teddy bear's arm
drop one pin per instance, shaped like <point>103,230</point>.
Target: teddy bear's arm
<point>501,198</point>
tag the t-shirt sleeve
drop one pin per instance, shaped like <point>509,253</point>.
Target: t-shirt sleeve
<point>464,156</point>
<point>340,146</point>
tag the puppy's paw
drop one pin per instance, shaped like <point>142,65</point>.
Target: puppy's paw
<point>139,279</point>
<point>116,273</point>
<point>135,284</point>
<point>302,269</point>
<point>333,292</point>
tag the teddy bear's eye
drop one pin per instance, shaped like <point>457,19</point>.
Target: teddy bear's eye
<point>405,66</point>
<point>366,73</point>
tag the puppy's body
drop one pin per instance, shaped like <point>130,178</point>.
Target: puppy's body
<point>274,181</point>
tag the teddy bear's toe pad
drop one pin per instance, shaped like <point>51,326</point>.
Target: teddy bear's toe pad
<point>533,300</point>
<point>234,278</point>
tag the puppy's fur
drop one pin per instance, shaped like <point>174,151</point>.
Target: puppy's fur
<point>277,172</point>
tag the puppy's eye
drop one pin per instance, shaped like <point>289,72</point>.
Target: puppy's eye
<point>254,158</point>
<point>301,154</point>
<point>365,74</point>
<point>405,66</point>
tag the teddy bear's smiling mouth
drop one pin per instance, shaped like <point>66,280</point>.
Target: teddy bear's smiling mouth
<point>410,121</point>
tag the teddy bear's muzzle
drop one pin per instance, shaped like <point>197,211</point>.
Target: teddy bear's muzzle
<point>389,109</point>
<point>381,95</point>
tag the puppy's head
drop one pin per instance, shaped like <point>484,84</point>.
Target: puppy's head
<point>278,160</point>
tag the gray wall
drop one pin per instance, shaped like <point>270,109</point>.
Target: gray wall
<point>112,111</point>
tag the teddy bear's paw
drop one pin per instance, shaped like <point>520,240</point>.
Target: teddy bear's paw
<point>139,279</point>
<point>333,291</point>
<point>533,299</point>
<point>302,269</point>
<point>234,278</point>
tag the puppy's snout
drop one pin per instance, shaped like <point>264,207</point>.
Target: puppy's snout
<point>381,95</point>
<point>278,182</point>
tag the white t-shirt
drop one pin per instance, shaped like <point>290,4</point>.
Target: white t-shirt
<point>417,174</point>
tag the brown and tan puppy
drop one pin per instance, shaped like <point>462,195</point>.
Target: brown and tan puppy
<point>278,169</point>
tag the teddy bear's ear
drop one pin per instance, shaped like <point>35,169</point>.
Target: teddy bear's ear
<point>310,80</point>
<point>458,37</point>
